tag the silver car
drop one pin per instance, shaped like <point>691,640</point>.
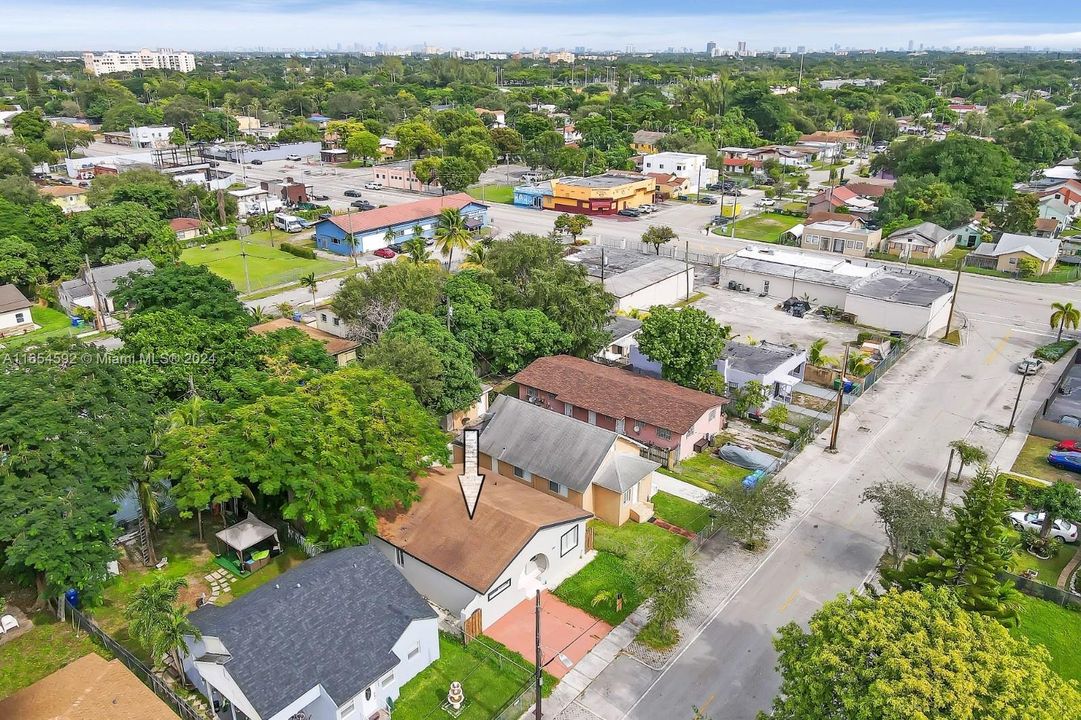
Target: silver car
<point>1030,366</point>
<point>1064,529</point>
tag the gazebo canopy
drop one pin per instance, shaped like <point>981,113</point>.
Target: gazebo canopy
<point>246,533</point>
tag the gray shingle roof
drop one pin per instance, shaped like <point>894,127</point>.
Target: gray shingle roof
<point>546,443</point>
<point>756,359</point>
<point>623,471</point>
<point>645,276</point>
<point>930,233</point>
<point>12,299</point>
<point>1043,248</point>
<point>621,326</point>
<point>105,277</point>
<point>332,621</point>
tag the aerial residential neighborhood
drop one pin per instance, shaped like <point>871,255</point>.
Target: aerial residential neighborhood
<point>611,362</point>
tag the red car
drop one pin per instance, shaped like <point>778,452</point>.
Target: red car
<point>1068,446</point>
<point>385,253</point>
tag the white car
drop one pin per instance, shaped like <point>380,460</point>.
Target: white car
<point>769,203</point>
<point>1064,529</point>
<point>1030,366</point>
<point>373,186</point>
<point>647,208</point>
<point>293,158</point>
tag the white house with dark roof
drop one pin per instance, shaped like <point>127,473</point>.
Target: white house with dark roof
<point>926,240</point>
<point>14,311</point>
<point>334,638</point>
<point>80,290</point>
<point>1006,254</point>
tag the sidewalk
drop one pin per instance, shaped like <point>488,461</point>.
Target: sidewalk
<point>681,489</point>
<point>1030,409</point>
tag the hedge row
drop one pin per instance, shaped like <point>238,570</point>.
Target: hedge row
<point>1021,487</point>
<point>300,252</point>
<point>1054,351</point>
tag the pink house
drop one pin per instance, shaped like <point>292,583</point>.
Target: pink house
<point>666,417</point>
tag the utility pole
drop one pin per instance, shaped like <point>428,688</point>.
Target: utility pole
<point>242,231</point>
<point>99,318</point>
<point>602,267</point>
<point>840,403</point>
<point>538,674</point>
<point>687,266</point>
<point>953,300</point>
<point>946,480</point>
<point>1013,414</point>
<point>270,220</point>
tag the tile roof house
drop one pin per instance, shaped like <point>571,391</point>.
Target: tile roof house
<point>79,291</point>
<point>66,197</point>
<point>841,196</point>
<point>15,314</point>
<point>90,688</point>
<point>479,568</point>
<point>666,417</point>
<point>334,637</point>
<point>587,466</point>
<point>341,349</point>
<point>925,240</point>
<point>362,232</point>
<point>187,228</point>
<point>1006,254</point>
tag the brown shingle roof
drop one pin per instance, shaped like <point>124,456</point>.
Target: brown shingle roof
<point>437,530</point>
<point>334,344</point>
<point>397,214</point>
<point>183,224</point>
<point>1046,224</point>
<point>61,190</point>
<point>12,299</point>
<point>869,189</point>
<point>618,393</point>
<point>89,688</point>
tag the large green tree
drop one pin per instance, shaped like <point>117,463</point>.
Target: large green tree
<point>127,230</point>
<point>686,342</point>
<point>907,655</point>
<point>19,264</point>
<point>368,301</point>
<point>975,549</point>
<point>73,436</point>
<point>190,289</point>
<point>953,160</point>
<point>750,513</point>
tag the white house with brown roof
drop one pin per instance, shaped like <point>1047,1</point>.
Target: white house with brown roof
<point>478,569</point>
<point>68,198</point>
<point>187,228</point>
<point>14,311</point>
<point>341,349</point>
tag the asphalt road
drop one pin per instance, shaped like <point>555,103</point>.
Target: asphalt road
<point>897,431</point>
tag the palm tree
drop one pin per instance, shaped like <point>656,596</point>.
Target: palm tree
<point>968,453</point>
<point>1063,316</point>
<point>389,237</point>
<point>816,357</point>
<point>451,233</point>
<point>859,365</point>
<point>155,621</point>
<point>309,281</point>
<point>478,255</point>
<point>417,251</point>
<point>258,315</point>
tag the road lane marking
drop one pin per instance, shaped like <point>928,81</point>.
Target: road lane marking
<point>997,350</point>
<point>702,710</point>
<point>790,600</point>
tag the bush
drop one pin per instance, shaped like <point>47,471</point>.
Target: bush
<point>1054,351</point>
<point>1021,488</point>
<point>300,252</point>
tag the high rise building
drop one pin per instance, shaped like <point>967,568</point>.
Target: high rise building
<point>741,47</point>
<point>114,62</point>
<point>910,45</point>
<point>711,49</point>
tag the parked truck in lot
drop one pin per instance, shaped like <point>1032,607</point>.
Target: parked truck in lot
<point>288,223</point>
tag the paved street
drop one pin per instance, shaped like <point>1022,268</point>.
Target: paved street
<point>898,431</point>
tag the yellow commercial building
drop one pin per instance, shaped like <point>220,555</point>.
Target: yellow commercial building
<point>604,194</point>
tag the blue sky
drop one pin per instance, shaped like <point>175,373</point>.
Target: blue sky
<point>510,25</point>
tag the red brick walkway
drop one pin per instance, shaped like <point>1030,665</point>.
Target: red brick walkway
<point>674,529</point>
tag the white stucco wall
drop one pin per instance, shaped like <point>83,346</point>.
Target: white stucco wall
<point>441,589</point>
<point>784,288</point>
<point>900,316</point>
<point>201,673</point>
<point>9,319</point>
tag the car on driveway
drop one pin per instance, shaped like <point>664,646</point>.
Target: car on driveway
<point>1067,460</point>
<point>385,253</point>
<point>352,193</point>
<point>1064,529</point>
<point>707,200</point>
<point>293,158</point>
<point>629,212</point>
<point>373,185</point>
<point>1030,366</point>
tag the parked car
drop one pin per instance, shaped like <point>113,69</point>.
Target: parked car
<point>1068,446</point>
<point>385,253</point>
<point>721,220</point>
<point>373,185</point>
<point>256,161</point>
<point>1030,366</point>
<point>629,212</point>
<point>1064,529</point>
<point>683,196</point>
<point>362,205</point>
<point>293,158</point>
<point>352,193</point>
<point>321,198</point>
<point>768,203</point>
<point>1065,460</point>
<point>399,246</point>
<point>1070,421</point>
<point>647,208</point>
<point>707,200</point>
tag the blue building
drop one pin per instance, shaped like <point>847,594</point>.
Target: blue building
<point>532,195</point>
<point>361,232</point>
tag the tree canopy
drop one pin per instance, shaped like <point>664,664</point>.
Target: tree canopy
<point>686,342</point>
<point>190,289</point>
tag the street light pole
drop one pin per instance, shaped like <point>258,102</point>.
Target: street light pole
<point>840,403</point>
<point>538,675</point>
<point>1013,414</point>
<point>953,300</point>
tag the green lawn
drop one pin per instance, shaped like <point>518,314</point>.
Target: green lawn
<point>1057,629</point>
<point>493,193</point>
<point>53,324</point>
<point>684,513</point>
<point>1049,569</point>
<point>766,227</point>
<point>49,646</point>
<point>267,266</point>
<point>624,539</point>
<point>291,557</point>
<point>488,681</point>
<point>606,573</point>
<point>707,471</point>
<point>1033,461</point>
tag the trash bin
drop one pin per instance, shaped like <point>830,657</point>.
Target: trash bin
<point>72,596</point>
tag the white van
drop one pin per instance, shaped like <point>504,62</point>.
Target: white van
<point>288,223</point>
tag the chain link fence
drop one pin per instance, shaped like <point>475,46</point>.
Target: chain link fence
<point>178,704</point>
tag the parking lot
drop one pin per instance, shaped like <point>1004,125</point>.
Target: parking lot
<point>758,317</point>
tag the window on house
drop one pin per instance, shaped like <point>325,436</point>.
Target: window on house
<point>323,317</point>
<point>519,472</point>
<point>689,433</point>
<point>386,682</point>
<point>638,426</point>
<point>347,710</point>
<point>414,651</point>
<point>664,433</point>
<point>531,393</point>
<point>568,541</point>
<point>337,322</point>
<point>399,557</point>
<point>628,496</point>
<point>20,317</point>
<point>557,488</point>
<point>568,409</point>
<point>713,414</point>
<point>498,590</point>
<point>367,693</point>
